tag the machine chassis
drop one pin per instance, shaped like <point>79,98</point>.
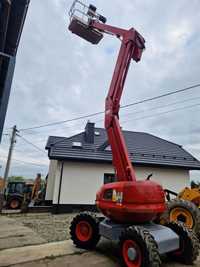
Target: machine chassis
<point>139,245</point>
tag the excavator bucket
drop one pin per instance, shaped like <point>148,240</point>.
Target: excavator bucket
<point>82,29</point>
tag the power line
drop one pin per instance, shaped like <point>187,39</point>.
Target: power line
<point>141,111</point>
<point>165,112</point>
<point>25,162</point>
<point>126,114</point>
<point>124,106</point>
<point>144,117</point>
<point>64,121</point>
<point>45,131</point>
<point>139,118</point>
<point>167,105</point>
<point>158,107</point>
<point>31,163</point>
<point>163,95</point>
<point>30,143</point>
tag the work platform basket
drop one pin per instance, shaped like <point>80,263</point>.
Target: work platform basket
<point>81,17</point>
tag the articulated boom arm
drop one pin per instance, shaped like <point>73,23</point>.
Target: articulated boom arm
<point>131,48</point>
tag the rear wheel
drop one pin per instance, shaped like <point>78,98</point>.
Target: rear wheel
<point>84,230</point>
<point>138,248</point>
<point>189,244</point>
<point>183,211</point>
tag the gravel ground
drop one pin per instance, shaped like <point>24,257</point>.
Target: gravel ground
<point>50,227</point>
<point>56,228</point>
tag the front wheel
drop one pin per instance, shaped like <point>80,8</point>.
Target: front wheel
<point>84,230</point>
<point>138,248</point>
<point>189,244</point>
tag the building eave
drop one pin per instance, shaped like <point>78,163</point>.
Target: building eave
<point>137,163</point>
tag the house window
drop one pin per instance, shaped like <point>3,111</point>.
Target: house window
<point>77,144</point>
<point>109,178</point>
<point>108,148</point>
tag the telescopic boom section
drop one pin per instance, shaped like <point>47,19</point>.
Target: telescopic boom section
<point>131,48</point>
<point>90,26</point>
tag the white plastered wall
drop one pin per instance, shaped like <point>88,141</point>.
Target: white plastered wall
<point>81,181</point>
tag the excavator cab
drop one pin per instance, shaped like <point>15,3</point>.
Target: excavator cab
<point>81,16</point>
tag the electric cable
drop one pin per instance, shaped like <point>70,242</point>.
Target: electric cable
<point>124,106</point>
<point>144,117</point>
<point>30,143</point>
<point>161,113</point>
<point>25,162</point>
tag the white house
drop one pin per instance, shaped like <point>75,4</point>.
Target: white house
<point>80,164</point>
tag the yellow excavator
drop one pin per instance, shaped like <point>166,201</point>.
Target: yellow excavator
<point>184,207</point>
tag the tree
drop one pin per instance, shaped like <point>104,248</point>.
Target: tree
<point>16,179</point>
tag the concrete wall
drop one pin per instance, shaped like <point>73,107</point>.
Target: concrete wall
<point>80,180</point>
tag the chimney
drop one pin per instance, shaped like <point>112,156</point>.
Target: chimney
<point>89,132</point>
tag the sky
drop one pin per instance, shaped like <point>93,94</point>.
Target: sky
<point>59,76</point>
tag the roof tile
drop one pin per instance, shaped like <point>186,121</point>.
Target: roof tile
<point>144,148</point>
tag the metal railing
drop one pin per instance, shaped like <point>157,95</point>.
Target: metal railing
<point>84,12</point>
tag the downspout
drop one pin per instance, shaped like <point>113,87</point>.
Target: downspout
<point>60,183</point>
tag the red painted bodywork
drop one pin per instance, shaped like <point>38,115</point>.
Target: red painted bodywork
<point>132,47</point>
<point>140,201</point>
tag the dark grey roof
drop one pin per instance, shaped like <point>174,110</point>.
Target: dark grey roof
<point>144,148</point>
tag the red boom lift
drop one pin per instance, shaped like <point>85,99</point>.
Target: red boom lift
<point>129,206</point>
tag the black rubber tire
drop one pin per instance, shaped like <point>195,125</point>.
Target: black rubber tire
<point>94,223</point>
<point>187,205</point>
<point>146,243</point>
<point>189,244</point>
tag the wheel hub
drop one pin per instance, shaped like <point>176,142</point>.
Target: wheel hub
<point>183,215</point>
<point>132,254</point>
<point>14,204</point>
<point>182,218</point>
<point>83,231</point>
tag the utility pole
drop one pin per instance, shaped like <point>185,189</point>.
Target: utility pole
<point>12,142</point>
<point>8,163</point>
